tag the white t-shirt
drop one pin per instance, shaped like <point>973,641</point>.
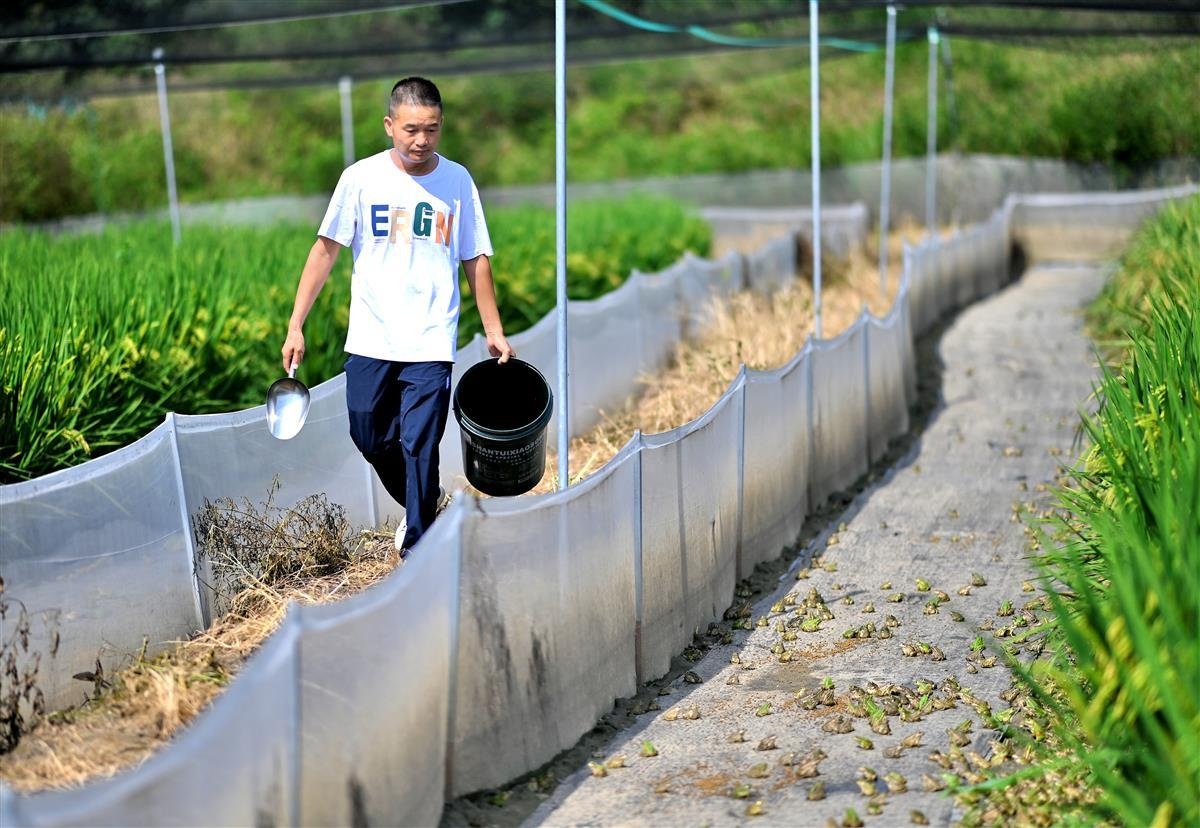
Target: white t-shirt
<point>407,233</point>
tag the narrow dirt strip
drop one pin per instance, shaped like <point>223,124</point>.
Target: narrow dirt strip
<point>741,744</point>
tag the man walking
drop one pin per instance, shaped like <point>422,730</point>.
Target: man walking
<point>409,217</point>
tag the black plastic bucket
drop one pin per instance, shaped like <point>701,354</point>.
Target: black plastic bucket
<point>502,413</point>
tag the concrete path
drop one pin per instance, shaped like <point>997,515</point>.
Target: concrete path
<point>1017,369</point>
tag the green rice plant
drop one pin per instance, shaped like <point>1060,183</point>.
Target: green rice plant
<point>606,239</point>
<point>1121,689</point>
<point>1170,244</point>
<point>102,335</point>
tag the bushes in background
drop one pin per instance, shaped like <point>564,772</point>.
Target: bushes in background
<point>716,113</point>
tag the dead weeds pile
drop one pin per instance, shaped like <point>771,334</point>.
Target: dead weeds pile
<point>763,332</point>
<point>262,559</point>
<point>249,548</point>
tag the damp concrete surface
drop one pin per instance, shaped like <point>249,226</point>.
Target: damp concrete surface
<point>1017,369</point>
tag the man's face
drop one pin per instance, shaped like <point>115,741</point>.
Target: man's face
<point>415,132</point>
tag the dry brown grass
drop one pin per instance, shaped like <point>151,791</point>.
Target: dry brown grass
<point>152,699</point>
<point>762,332</point>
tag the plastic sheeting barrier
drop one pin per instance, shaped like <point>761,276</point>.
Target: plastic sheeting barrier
<point>232,455</point>
<point>910,342</point>
<point>663,624</point>
<point>660,320</point>
<point>690,495</point>
<point>993,259</point>
<point>969,187</point>
<point>710,464</point>
<point>235,456</point>
<point>99,554</point>
<point>233,766</point>
<point>969,269</point>
<point>839,418</point>
<point>546,624</point>
<point>604,356</point>
<point>549,587</point>
<point>705,283</point>
<point>949,272</point>
<point>843,228</point>
<point>777,457</point>
<point>889,346</point>
<point>919,288</point>
<point>1092,226</point>
<point>374,673</point>
<point>772,266</point>
<point>962,271</point>
<point>945,292</point>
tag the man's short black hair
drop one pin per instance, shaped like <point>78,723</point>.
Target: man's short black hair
<point>414,91</point>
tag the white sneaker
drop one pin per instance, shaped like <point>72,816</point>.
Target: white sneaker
<point>401,531</point>
<point>443,501</point>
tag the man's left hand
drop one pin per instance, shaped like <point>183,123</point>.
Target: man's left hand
<point>498,347</point>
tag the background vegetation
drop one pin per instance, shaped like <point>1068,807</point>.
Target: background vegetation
<point>101,336</point>
<point>717,112</point>
<point>1121,691</point>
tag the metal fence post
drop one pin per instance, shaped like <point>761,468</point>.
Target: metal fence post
<point>885,187</point>
<point>344,85</point>
<point>164,117</point>
<point>203,611</point>
<point>814,63</point>
<point>951,104</point>
<point>560,247</point>
<point>931,137</point>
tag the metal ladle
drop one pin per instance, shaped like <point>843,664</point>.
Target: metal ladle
<point>287,406</point>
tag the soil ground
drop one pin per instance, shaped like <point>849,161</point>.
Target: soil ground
<point>1009,375</point>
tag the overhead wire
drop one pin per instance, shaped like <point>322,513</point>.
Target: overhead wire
<point>847,40</point>
<point>704,33</point>
<point>370,50</point>
<point>225,24</point>
<point>1118,6</point>
<point>514,65</point>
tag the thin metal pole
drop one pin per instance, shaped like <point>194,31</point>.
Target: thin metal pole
<point>951,103</point>
<point>885,187</point>
<point>814,64</point>
<point>931,137</point>
<point>347,120</point>
<point>560,228</point>
<point>164,116</point>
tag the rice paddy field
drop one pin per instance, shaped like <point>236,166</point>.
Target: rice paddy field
<point>102,335</point>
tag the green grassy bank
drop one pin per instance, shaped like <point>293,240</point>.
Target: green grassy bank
<point>1115,712</point>
<point>726,112</point>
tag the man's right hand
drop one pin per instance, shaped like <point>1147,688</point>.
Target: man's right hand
<point>320,261</point>
<point>292,350</point>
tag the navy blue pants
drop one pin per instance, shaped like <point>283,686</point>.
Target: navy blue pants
<point>397,417</point>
